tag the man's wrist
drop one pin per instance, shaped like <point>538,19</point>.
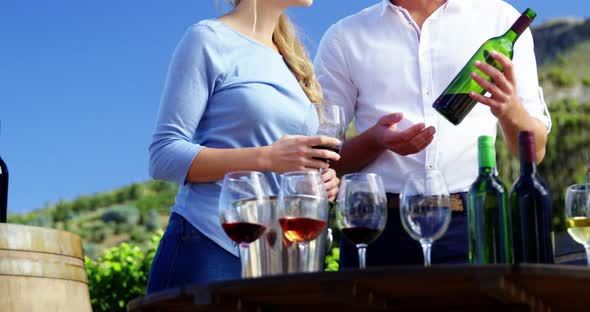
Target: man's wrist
<point>515,116</point>
<point>374,138</point>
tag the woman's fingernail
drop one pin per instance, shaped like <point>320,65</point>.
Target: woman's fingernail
<point>477,63</point>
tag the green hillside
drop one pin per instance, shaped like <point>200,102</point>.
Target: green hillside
<point>129,214</point>
<point>568,75</point>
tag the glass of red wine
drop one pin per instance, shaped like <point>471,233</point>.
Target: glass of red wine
<point>332,124</point>
<point>362,210</point>
<point>425,208</point>
<point>244,209</point>
<point>303,209</point>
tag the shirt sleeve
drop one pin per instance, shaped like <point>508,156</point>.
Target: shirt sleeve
<point>527,81</point>
<point>193,72</point>
<point>333,74</point>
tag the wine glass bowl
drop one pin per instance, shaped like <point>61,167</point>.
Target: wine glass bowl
<point>302,220</point>
<point>426,217</point>
<point>425,208</point>
<point>577,210</point>
<point>303,209</point>
<point>362,210</point>
<point>332,124</point>
<point>244,209</point>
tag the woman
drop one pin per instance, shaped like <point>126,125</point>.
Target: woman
<point>238,96</point>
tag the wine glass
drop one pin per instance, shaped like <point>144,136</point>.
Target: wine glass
<point>332,124</point>
<point>303,209</point>
<point>244,209</point>
<point>425,208</point>
<point>577,210</point>
<point>362,210</point>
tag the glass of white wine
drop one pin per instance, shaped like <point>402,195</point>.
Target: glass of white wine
<point>577,210</point>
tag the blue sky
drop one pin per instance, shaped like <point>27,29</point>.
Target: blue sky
<point>80,83</point>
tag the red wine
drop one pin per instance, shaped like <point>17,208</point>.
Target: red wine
<point>361,235</point>
<point>530,204</point>
<point>334,149</point>
<point>301,229</point>
<point>3,191</point>
<point>243,232</point>
<point>454,107</point>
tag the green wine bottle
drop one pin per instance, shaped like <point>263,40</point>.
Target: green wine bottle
<point>455,103</point>
<point>487,211</point>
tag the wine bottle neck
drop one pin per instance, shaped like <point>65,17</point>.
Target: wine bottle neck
<point>487,171</point>
<point>528,164</point>
<point>521,24</point>
<point>511,35</point>
<point>528,168</point>
<point>487,156</point>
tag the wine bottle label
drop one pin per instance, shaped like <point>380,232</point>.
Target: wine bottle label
<point>521,24</point>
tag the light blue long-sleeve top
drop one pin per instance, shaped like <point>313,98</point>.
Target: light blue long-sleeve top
<point>223,90</point>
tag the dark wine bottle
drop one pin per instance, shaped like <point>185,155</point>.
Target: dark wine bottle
<point>530,205</point>
<point>3,191</point>
<point>455,103</point>
<point>487,211</point>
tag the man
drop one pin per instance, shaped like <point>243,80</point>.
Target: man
<point>386,65</point>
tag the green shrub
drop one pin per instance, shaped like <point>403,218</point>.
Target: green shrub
<point>332,259</point>
<point>124,228</point>
<point>560,78</point>
<point>99,234</point>
<point>121,214</point>
<point>139,234</point>
<point>91,250</point>
<point>162,186</point>
<point>44,220</point>
<point>152,221</point>
<point>119,275</point>
<point>160,202</point>
<point>586,81</point>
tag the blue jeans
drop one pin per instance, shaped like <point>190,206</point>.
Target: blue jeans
<point>396,247</point>
<point>186,256</point>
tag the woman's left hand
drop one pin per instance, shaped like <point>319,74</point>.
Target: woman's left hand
<point>331,182</point>
<point>502,88</point>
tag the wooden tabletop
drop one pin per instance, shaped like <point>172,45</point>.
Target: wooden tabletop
<point>524,287</point>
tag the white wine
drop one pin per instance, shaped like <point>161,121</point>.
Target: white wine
<point>579,229</point>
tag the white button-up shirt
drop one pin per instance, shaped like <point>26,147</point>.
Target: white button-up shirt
<point>379,61</point>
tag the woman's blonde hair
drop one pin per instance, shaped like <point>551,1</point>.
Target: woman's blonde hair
<point>295,56</point>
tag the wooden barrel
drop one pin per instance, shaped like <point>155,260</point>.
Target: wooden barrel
<point>41,270</point>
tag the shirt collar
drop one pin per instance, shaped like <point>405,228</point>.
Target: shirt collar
<point>385,4</point>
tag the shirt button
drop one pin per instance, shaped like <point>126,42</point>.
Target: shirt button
<point>430,166</point>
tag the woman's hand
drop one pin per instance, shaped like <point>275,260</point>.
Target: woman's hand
<point>295,152</point>
<point>331,182</point>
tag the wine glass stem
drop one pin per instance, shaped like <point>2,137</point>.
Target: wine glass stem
<point>362,249</point>
<point>244,259</point>
<point>426,247</point>
<point>587,254</point>
<point>303,256</point>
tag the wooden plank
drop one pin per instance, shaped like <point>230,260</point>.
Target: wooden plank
<point>448,288</point>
